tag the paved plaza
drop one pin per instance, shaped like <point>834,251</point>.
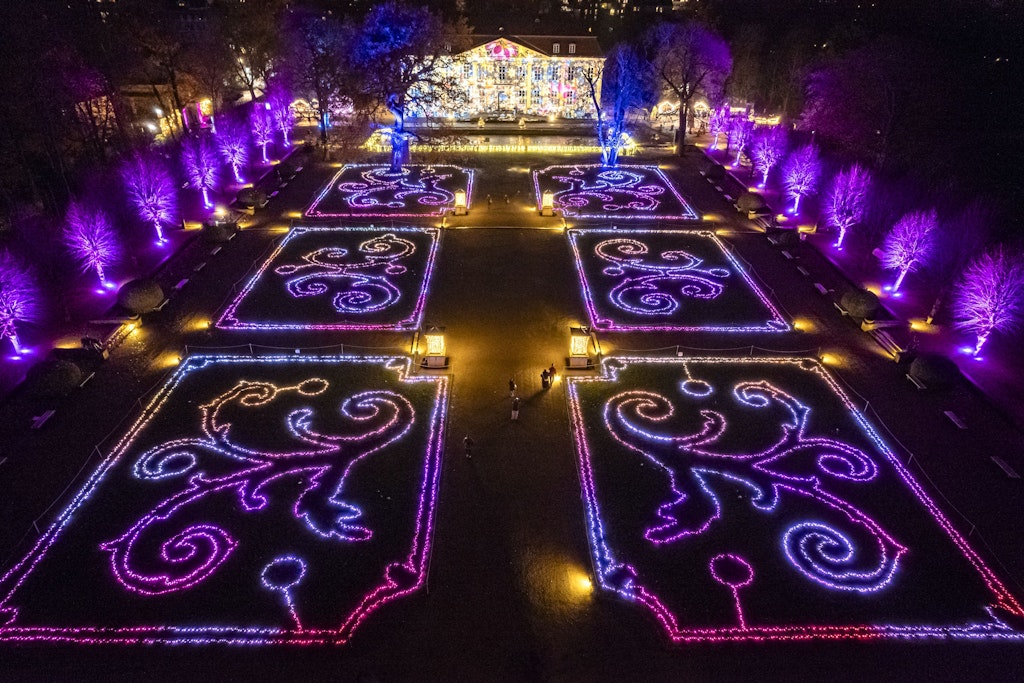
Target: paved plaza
<point>265,483</point>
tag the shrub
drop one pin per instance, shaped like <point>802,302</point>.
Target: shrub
<point>750,202</point>
<point>860,303</point>
<point>716,172</point>
<point>53,378</point>
<point>140,296</point>
<point>218,232</point>
<point>934,370</point>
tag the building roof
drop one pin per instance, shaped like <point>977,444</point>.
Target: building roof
<point>586,46</point>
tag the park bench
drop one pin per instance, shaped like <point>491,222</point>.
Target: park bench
<point>886,341</point>
<point>181,283</point>
<point>1005,467</point>
<point>199,266</point>
<point>86,379</point>
<point>39,420</point>
<point>918,384</point>
<point>788,256</point>
<point>822,289</point>
<point>803,271</point>
<point>955,419</point>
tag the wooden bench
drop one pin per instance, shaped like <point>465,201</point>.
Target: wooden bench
<point>215,250</point>
<point>39,420</point>
<point>955,419</point>
<point>199,267</point>
<point>822,289</point>
<point>918,384</point>
<point>160,307</point>
<point>181,283</point>
<point>886,341</point>
<point>86,380</point>
<point>1005,467</point>
<point>803,271</point>
<point>789,256</point>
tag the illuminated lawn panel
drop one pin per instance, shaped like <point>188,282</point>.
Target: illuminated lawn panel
<point>370,190</point>
<point>748,499</point>
<point>623,192</point>
<point>668,280</point>
<point>339,279</point>
<point>256,501</point>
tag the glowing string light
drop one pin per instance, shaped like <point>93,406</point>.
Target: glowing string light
<point>624,192</point>
<point>413,190</point>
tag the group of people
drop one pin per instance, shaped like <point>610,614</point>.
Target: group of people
<point>547,378</point>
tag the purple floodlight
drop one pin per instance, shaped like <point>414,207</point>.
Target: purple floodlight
<point>718,122</point>
<point>990,295</point>
<point>740,130</point>
<point>847,200</point>
<point>233,144</point>
<point>769,148</point>
<point>151,191</point>
<point>18,301</point>
<point>200,167</point>
<point>800,175</point>
<point>90,236</point>
<point>262,128</point>
<point>909,243</point>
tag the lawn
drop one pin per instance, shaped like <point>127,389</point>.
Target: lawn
<point>668,280</point>
<point>626,192</point>
<point>256,500</point>
<point>339,279</point>
<point>362,190</point>
<point>747,499</point>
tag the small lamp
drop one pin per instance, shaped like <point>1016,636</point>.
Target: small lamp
<point>433,338</point>
<point>579,344</point>
<point>547,204</point>
<point>460,203</point>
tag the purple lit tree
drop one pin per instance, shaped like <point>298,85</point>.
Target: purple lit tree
<point>990,295</point>
<point>233,145</point>
<point>262,127</point>
<point>768,149</point>
<point>281,113</point>
<point>151,191</point>
<point>847,200</point>
<point>740,130</point>
<point>718,123</point>
<point>909,243</point>
<point>800,175</point>
<point>91,239</point>
<point>200,166</point>
<point>18,299</point>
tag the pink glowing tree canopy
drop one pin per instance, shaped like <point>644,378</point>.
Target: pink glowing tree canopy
<point>91,239</point>
<point>768,150</point>
<point>718,123</point>
<point>990,295</point>
<point>800,175</point>
<point>909,243</point>
<point>740,130</point>
<point>151,192</point>
<point>18,298</point>
<point>233,145</point>
<point>262,128</point>
<point>200,166</point>
<point>847,200</point>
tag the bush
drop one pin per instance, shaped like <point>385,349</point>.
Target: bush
<point>140,296</point>
<point>716,172</point>
<point>750,202</point>
<point>860,303</point>
<point>218,232</point>
<point>251,197</point>
<point>934,370</point>
<point>53,378</point>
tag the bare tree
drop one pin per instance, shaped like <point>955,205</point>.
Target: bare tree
<point>909,244</point>
<point>618,88</point>
<point>847,200</point>
<point>990,295</point>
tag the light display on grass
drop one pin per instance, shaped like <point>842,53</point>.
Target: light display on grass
<point>800,174</point>
<point>233,145</point>
<point>847,200</point>
<point>761,505</point>
<point>989,296</point>
<point>909,243</point>
<point>625,192</point>
<point>376,191</point>
<point>200,163</point>
<point>90,237</point>
<point>262,128</point>
<point>228,511</point>
<point>667,280</point>
<point>768,149</point>
<point>151,191</point>
<point>19,301</point>
<point>339,279</point>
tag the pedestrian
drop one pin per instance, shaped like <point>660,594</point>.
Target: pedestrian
<point>551,373</point>
<point>506,199</point>
<point>468,443</point>
<point>515,409</point>
<point>489,201</point>
<point>544,378</point>
<point>511,387</point>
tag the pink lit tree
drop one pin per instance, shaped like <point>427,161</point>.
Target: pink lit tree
<point>718,123</point>
<point>740,130</point>
<point>768,149</point>
<point>909,244</point>
<point>151,192</point>
<point>233,145</point>
<point>990,295</point>
<point>91,239</point>
<point>847,200</point>
<point>800,175</point>
<point>262,128</point>
<point>19,302</point>
<point>281,113</point>
<point>200,166</point>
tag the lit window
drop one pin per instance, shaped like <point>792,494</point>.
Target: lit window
<point>572,48</point>
<point>538,73</point>
<point>556,48</point>
<point>467,70</point>
<point>503,72</point>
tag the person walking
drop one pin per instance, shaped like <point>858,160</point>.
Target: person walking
<point>551,373</point>
<point>468,443</point>
<point>515,409</point>
<point>544,379</point>
<point>511,387</point>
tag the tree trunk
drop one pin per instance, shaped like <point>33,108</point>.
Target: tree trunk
<point>684,114</point>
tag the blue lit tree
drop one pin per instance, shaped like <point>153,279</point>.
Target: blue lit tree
<point>740,130</point>
<point>262,128</point>
<point>91,239</point>
<point>233,145</point>
<point>909,244</point>
<point>624,87</point>
<point>200,166</point>
<point>718,123</point>
<point>990,295</point>
<point>19,302</point>
<point>151,191</point>
<point>800,175</point>
<point>847,200</point>
<point>401,52</point>
<point>768,149</point>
